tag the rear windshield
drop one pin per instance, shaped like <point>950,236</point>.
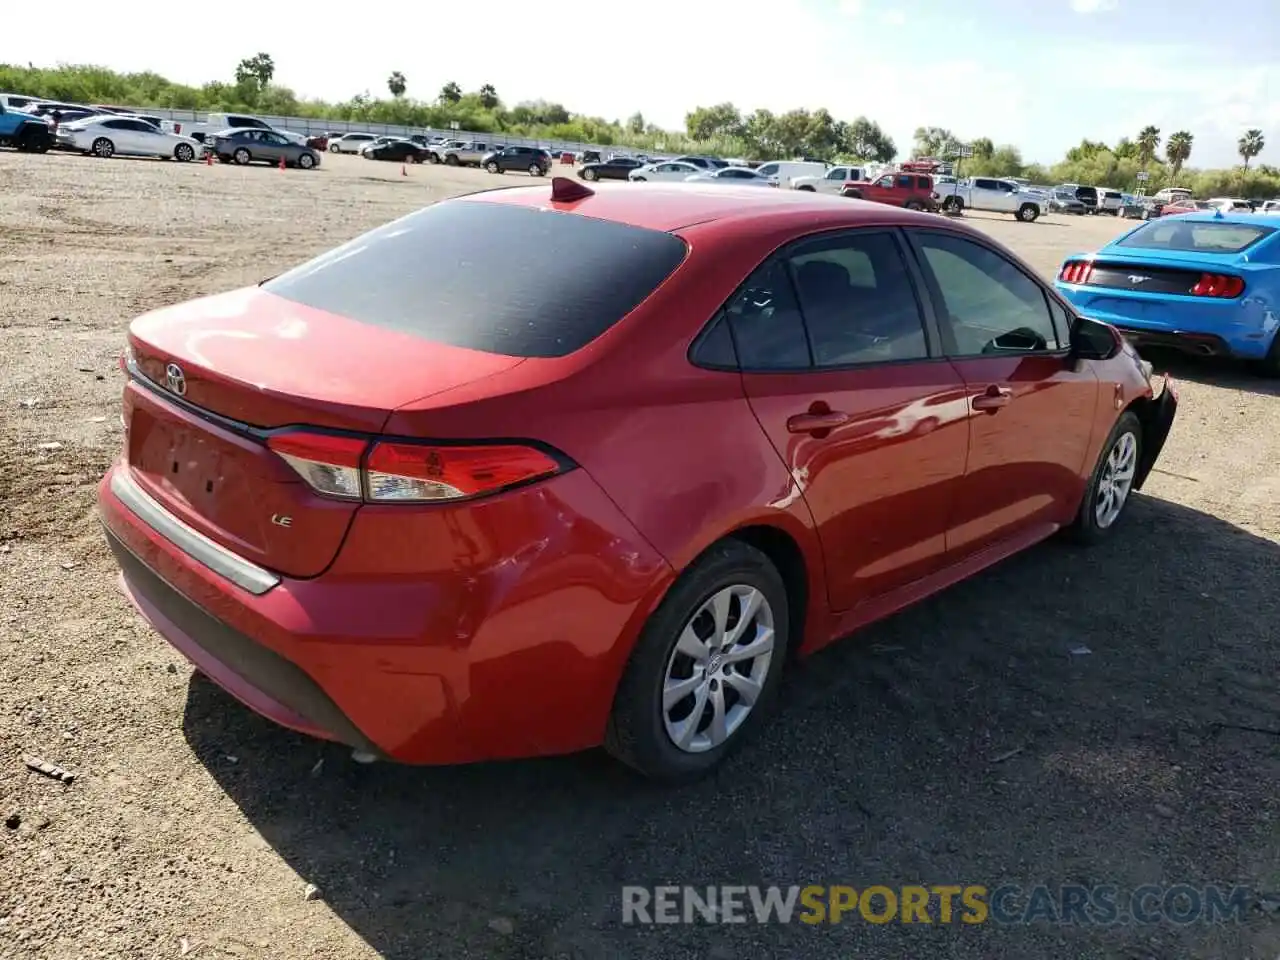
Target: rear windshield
<point>505,279</point>
<point>1196,237</point>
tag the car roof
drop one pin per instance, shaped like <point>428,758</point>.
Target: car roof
<point>1270,220</point>
<point>672,206</point>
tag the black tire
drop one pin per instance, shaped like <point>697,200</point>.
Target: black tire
<point>807,189</point>
<point>1028,213</point>
<point>953,203</point>
<point>451,160</point>
<point>334,148</point>
<point>912,205</point>
<point>34,137</point>
<point>639,179</point>
<point>492,167</point>
<point>433,157</point>
<point>306,161</point>
<point>851,194</point>
<point>242,156</point>
<point>104,148</point>
<point>1085,528</point>
<point>535,170</point>
<point>589,174</point>
<point>184,153</point>
<point>636,733</point>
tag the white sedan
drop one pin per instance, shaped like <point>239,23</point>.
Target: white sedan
<point>674,170</point>
<point>106,135</point>
<point>733,177</point>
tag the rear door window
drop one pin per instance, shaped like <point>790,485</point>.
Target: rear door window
<point>510,280</point>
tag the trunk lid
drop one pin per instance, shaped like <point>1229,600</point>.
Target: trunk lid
<point>249,361</point>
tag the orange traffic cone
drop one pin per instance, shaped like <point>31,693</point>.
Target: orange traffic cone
<point>282,163</point>
<point>208,159</point>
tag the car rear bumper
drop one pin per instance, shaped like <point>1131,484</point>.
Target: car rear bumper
<point>517,656</point>
<point>1201,326</point>
<point>1157,421</point>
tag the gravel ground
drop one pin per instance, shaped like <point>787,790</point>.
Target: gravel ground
<point>193,825</point>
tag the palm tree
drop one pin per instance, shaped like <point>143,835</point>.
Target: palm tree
<point>450,93</point>
<point>1250,145</point>
<point>1178,150</point>
<point>488,96</point>
<point>1148,141</point>
<point>396,83</point>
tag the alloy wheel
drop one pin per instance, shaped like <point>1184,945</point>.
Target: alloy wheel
<point>1116,480</point>
<point>718,668</point>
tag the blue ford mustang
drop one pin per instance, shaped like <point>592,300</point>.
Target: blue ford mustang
<point>1205,283</point>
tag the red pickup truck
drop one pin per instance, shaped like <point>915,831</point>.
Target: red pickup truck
<point>911,190</point>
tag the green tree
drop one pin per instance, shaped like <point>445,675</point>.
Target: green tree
<point>1086,149</point>
<point>257,70</point>
<point>983,148</point>
<point>635,123</point>
<point>1250,145</point>
<point>396,83</point>
<point>706,123</point>
<point>489,97</point>
<point>865,140</point>
<point>1178,150</point>
<point>1148,142</point>
<point>935,142</point>
<point>450,93</point>
<point>1126,148</point>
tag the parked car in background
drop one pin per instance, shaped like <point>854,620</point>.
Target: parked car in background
<point>380,140</point>
<point>318,142</point>
<point>1270,206</point>
<point>913,191</point>
<point>733,177</point>
<point>1135,208</point>
<point>788,170</point>
<point>1066,201</point>
<point>351,142</point>
<point>217,122</point>
<point>467,153</point>
<point>24,131</point>
<point>990,194</point>
<point>1169,194</point>
<point>1086,195</point>
<point>531,160</point>
<point>19,102</point>
<point>1205,283</point>
<point>398,151</point>
<point>1110,201</point>
<point>619,169</point>
<point>107,135</point>
<point>670,171</point>
<point>1185,204</point>
<point>886,404</point>
<point>1230,205</point>
<point>832,181</point>
<point>244,146</point>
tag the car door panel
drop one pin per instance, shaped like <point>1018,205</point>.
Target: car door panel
<point>1030,408</point>
<point>877,448</point>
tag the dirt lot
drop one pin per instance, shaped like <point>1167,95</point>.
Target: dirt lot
<point>193,825</point>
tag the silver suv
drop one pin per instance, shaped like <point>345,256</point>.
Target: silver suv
<point>1110,201</point>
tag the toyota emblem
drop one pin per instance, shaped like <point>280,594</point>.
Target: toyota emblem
<point>175,379</point>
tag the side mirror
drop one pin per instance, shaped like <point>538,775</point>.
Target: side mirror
<point>1092,340</point>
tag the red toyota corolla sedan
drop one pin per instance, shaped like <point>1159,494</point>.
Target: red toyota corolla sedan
<point>591,470</point>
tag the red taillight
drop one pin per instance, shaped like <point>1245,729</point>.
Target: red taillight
<point>418,472</point>
<point>1218,285</point>
<point>328,462</point>
<point>406,472</point>
<point>1076,271</point>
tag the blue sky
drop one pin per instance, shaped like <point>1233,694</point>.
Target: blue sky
<point>1040,74</point>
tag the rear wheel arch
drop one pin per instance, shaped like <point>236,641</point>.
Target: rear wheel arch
<point>788,559</point>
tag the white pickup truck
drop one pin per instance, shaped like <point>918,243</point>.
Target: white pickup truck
<point>832,181</point>
<point>987,193</point>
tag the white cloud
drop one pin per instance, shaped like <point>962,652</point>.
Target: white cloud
<point>1093,6</point>
<point>893,18</point>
